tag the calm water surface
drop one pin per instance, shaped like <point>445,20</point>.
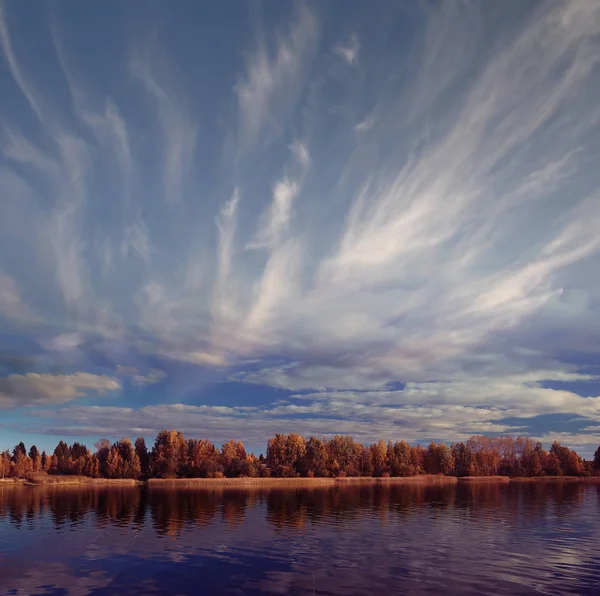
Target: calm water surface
<point>489,539</point>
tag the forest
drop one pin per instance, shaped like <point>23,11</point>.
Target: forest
<point>292,455</point>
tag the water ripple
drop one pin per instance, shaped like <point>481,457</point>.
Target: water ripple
<point>503,539</point>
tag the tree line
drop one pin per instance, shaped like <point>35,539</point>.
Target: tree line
<point>292,455</point>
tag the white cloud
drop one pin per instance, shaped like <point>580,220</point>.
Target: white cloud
<point>194,357</point>
<point>276,220</point>
<point>12,305</point>
<point>223,301</point>
<point>269,88</point>
<point>18,148</point>
<point>110,126</point>
<point>104,252</point>
<point>136,240</point>
<point>367,124</point>
<point>154,375</point>
<point>65,342</point>
<point>277,287</point>
<point>48,389</point>
<point>349,51</point>
<point>178,125</point>
<point>66,175</point>
<point>300,152</point>
<point>254,425</point>
<point>28,90</point>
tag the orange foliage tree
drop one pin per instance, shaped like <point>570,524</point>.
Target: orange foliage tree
<point>292,455</point>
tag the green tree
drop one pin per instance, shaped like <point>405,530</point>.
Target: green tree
<point>19,450</point>
<point>102,450</point>
<point>36,459</point>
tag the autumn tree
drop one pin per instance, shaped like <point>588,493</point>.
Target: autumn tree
<point>142,453</point>
<point>102,450</point>
<point>22,464</point>
<point>285,454</point>
<point>379,459</point>
<point>487,455</point>
<point>5,461</point>
<point>343,455</point>
<point>169,454</point>
<point>291,455</point>
<point>128,462</point>
<point>439,459</point>
<point>464,460</point>
<point>233,458</point>
<point>552,465</point>
<point>112,463</point>
<point>204,460</point>
<point>403,459</point>
<point>36,459</point>
<point>315,461</point>
<point>532,460</point>
<point>366,462</point>
<point>570,463</point>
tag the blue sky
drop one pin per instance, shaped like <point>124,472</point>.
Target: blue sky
<point>237,219</point>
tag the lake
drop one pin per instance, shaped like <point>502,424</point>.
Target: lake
<point>538,538</point>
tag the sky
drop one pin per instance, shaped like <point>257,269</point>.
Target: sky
<point>236,219</point>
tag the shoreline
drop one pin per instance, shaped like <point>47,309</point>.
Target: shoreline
<point>289,483</point>
<point>430,480</point>
<point>69,481</point>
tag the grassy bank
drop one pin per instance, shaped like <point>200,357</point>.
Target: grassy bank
<point>484,479</point>
<point>558,479</point>
<point>295,482</point>
<point>527,480</point>
<point>47,480</point>
<point>210,483</point>
<point>422,480</point>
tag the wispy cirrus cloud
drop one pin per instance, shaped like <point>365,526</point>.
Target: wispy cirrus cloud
<point>269,88</point>
<point>28,90</point>
<point>177,123</point>
<point>349,51</point>
<point>12,306</point>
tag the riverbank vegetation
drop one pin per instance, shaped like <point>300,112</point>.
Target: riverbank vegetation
<point>292,456</point>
